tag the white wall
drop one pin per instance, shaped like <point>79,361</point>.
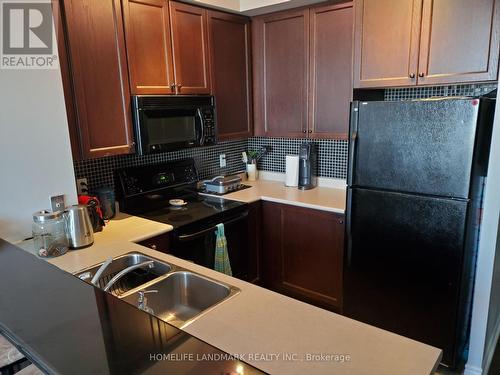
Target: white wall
<point>479,348</point>
<point>493,326</point>
<point>35,153</point>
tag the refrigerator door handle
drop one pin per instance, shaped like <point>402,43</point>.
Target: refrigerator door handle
<point>348,228</point>
<point>353,135</point>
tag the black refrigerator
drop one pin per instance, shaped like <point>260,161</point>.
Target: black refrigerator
<point>415,177</point>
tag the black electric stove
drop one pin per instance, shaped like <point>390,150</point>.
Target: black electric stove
<point>198,208</point>
<point>145,191</point>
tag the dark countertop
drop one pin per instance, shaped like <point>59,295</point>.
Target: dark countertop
<point>66,326</point>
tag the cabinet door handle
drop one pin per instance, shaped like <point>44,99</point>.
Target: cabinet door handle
<point>304,131</point>
<point>412,75</point>
<point>421,75</point>
<point>179,86</point>
<point>309,131</point>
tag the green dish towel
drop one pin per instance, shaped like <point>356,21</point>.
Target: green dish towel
<point>221,256</point>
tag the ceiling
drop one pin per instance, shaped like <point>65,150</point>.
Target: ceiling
<point>254,7</point>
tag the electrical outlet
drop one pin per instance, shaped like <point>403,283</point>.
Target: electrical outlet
<point>222,160</point>
<point>57,203</point>
<point>82,186</point>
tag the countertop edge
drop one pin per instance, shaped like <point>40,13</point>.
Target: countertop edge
<point>302,204</point>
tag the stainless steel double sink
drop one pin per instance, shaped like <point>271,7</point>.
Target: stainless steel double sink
<point>172,293</point>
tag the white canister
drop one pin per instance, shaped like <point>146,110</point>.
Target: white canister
<point>292,170</point>
<point>252,172</point>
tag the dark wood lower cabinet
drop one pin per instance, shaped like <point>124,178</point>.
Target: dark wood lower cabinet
<point>159,243</point>
<point>302,252</point>
<point>254,242</point>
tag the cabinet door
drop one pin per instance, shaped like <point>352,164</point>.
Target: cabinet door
<point>69,99</point>
<point>159,243</point>
<point>302,253</point>
<point>229,37</point>
<point>281,63</point>
<point>386,38</point>
<point>330,70</point>
<point>190,45</point>
<point>149,49</point>
<point>99,72</point>
<point>460,41</point>
<point>254,242</point>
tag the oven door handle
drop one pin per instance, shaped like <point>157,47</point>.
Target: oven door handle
<point>188,237</point>
<point>201,140</point>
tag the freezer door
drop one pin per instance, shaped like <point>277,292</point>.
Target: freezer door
<point>424,147</point>
<point>403,264</point>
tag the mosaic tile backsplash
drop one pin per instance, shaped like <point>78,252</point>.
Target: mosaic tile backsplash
<point>332,157</point>
<point>410,93</point>
<point>99,172</point>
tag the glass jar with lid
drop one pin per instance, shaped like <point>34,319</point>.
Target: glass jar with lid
<point>49,233</point>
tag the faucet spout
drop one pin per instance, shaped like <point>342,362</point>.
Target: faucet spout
<point>99,272</point>
<point>119,275</point>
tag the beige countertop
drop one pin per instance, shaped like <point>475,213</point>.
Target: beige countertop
<point>321,197</point>
<point>122,229</point>
<point>263,327</point>
<point>277,334</point>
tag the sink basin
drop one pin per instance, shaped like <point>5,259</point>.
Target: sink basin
<point>132,279</point>
<point>183,296</point>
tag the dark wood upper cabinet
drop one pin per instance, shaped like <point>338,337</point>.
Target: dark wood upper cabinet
<point>425,42</point>
<point>69,100</point>
<point>96,52</point>
<point>302,251</point>
<point>459,42</point>
<point>386,42</point>
<point>190,48</point>
<point>229,46</point>
<point>281,68</point>
<point>330,70</point>
<point>149,46</point>
<point>302,61</point>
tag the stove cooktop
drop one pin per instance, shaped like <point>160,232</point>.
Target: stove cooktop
<point>146,190</point>
<point>197,208</point>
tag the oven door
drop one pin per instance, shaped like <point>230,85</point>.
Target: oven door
<point>197,244</point>
<point>168,129</point>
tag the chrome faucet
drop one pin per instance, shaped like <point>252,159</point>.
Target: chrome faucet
<point>119,275</point>
<point>142,301</point>
<point>95,279</point>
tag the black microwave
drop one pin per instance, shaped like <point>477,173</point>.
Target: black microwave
<point>165,123</point>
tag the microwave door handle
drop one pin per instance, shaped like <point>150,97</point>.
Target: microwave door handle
<point>188,237</point>
<point>201,141</point>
